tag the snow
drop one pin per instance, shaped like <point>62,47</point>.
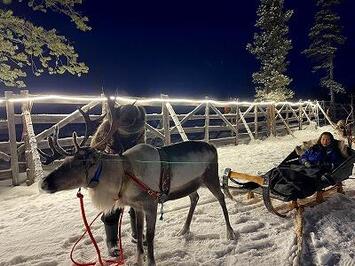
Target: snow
<point>39,229</point>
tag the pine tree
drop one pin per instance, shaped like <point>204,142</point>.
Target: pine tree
<point>271,46</point>
<point>25,47</point>
<point>325,36</point>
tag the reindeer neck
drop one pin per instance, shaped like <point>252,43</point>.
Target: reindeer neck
<point>105,194</point>
<point>115,167</point>
<point>114,162</point>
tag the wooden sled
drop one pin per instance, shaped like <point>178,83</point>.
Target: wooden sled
<point>242,182</point>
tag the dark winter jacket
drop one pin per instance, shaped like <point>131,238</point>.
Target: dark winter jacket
<point>322,157</point>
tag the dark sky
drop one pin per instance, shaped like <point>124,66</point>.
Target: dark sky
<point>184,48</point>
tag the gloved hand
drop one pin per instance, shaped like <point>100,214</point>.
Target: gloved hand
<point>307,164</point>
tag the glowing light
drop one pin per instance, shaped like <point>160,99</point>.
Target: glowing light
<point>143,101</point>
<point>192,101</point>
<point>57,97</point>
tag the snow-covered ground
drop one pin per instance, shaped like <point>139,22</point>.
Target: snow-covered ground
<point>39,229</point>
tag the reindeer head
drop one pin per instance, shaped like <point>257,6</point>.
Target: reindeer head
<point>76,171</point>
<point>125,120</point>
<point>130,118</point>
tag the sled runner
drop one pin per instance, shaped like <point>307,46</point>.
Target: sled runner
<point>292,183</point>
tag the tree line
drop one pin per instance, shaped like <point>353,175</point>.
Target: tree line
<point>271,45</point>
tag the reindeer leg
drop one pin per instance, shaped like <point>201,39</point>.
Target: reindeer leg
<point>139,225</point>
<point>151,218</point>
<point>214,187</point>
<point>194,197</point>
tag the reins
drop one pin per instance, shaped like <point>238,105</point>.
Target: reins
<point>101,262</point>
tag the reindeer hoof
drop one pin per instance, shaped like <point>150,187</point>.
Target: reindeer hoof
<point>114,252</point>
<point>231,235</point>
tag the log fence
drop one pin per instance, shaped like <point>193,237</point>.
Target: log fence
<point>167,121</point>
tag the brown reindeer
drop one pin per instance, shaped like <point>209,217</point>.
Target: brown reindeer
<point>133,179</point>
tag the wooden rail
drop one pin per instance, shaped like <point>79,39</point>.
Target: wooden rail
<point>218,122</point>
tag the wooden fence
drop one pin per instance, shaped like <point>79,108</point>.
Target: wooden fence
<point>30,119</point>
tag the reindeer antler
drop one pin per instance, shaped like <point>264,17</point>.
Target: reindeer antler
<point>113,124</point>
<point>49,158</point>
<point>90,125</point>
<point>58,151</point>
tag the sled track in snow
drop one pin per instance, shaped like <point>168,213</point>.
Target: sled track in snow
<point>249,204</point>
<point>309,253</point>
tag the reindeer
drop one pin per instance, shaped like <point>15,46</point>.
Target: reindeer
<point>120,128</point>
<point>343,129</point>
<point>133,179</point>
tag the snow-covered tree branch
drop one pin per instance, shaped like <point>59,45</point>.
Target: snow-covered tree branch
<point>25,47</point>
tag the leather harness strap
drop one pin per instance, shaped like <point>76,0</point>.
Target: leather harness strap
<point>152,193</point>
<point>164,184</point>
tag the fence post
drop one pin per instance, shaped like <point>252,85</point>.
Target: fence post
<point>316,110</point>
<point>166,120</point>
<point>287,115</point>
<point>10,113</point>
<point>33,162</point>
<point>323,107</point>
<point>271,120</point>
<point>300,120</point>
<point>207,120</point>
<point>237,123</point>
<point>256,121</point>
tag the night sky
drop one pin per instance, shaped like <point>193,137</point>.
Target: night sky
<point>184,48</point>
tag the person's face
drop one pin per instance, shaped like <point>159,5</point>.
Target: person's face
<point>325,140</point>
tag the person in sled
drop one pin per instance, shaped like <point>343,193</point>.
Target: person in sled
<point>116,138</point>
<point>324,155</point>
<point>308,169</point>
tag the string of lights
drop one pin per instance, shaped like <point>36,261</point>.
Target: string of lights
<point>142,101</point>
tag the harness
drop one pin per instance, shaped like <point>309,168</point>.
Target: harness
<point>165,174</point>
<point>164,183</point>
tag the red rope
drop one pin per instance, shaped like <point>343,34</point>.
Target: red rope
<point>119,261</point>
